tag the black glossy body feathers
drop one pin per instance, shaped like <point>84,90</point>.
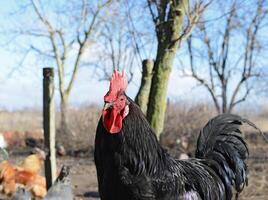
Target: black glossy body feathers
<point>131,165</point>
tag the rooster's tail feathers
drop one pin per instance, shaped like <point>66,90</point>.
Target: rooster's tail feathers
<point>222,147</point>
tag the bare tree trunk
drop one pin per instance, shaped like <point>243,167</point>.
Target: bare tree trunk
<point>224,96</point>
<point>157,99</point>
<point>64,128</point>
<point>168,36</point>
<point>142,97</point>
<point>168,17</point>
<point>61,44</point>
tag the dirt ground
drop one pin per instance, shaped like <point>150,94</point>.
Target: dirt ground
<point>83,176</point>
<point>84,180</point>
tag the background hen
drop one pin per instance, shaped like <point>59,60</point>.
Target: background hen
<point>26,175</point>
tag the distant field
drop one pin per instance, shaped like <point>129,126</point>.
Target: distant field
<point>262,123</point>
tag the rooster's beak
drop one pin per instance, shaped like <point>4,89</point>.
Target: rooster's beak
<point>107,106</point>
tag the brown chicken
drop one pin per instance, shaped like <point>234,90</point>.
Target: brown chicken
<point>7,177</point>
<point>26,174</point>
<point>33,163</point>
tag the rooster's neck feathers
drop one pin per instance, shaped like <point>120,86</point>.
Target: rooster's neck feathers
<point>139,139</point>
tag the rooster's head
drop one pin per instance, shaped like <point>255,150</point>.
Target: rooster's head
<point>116,104</point>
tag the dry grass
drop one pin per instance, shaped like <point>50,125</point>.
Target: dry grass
<point>262,123</point>
<point>20,120</point>
<point>83,123</point>
<point>258,182</point>
<point>182,125</point>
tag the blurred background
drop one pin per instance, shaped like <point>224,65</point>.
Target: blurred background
<point>191,62</point>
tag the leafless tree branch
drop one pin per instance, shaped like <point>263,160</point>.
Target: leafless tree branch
<point>220,67</point>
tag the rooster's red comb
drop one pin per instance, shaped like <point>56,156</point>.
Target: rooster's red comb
<point>118,83</point>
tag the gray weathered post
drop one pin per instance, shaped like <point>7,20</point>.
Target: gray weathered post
<point>49,125</point>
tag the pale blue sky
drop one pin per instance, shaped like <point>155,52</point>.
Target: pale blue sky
<point>21,87</point>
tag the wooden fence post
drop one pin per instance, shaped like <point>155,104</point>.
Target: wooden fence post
<point>49,125</point>
<point>142,97</point>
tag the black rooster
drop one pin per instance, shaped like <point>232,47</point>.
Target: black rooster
<point>131,164</point>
